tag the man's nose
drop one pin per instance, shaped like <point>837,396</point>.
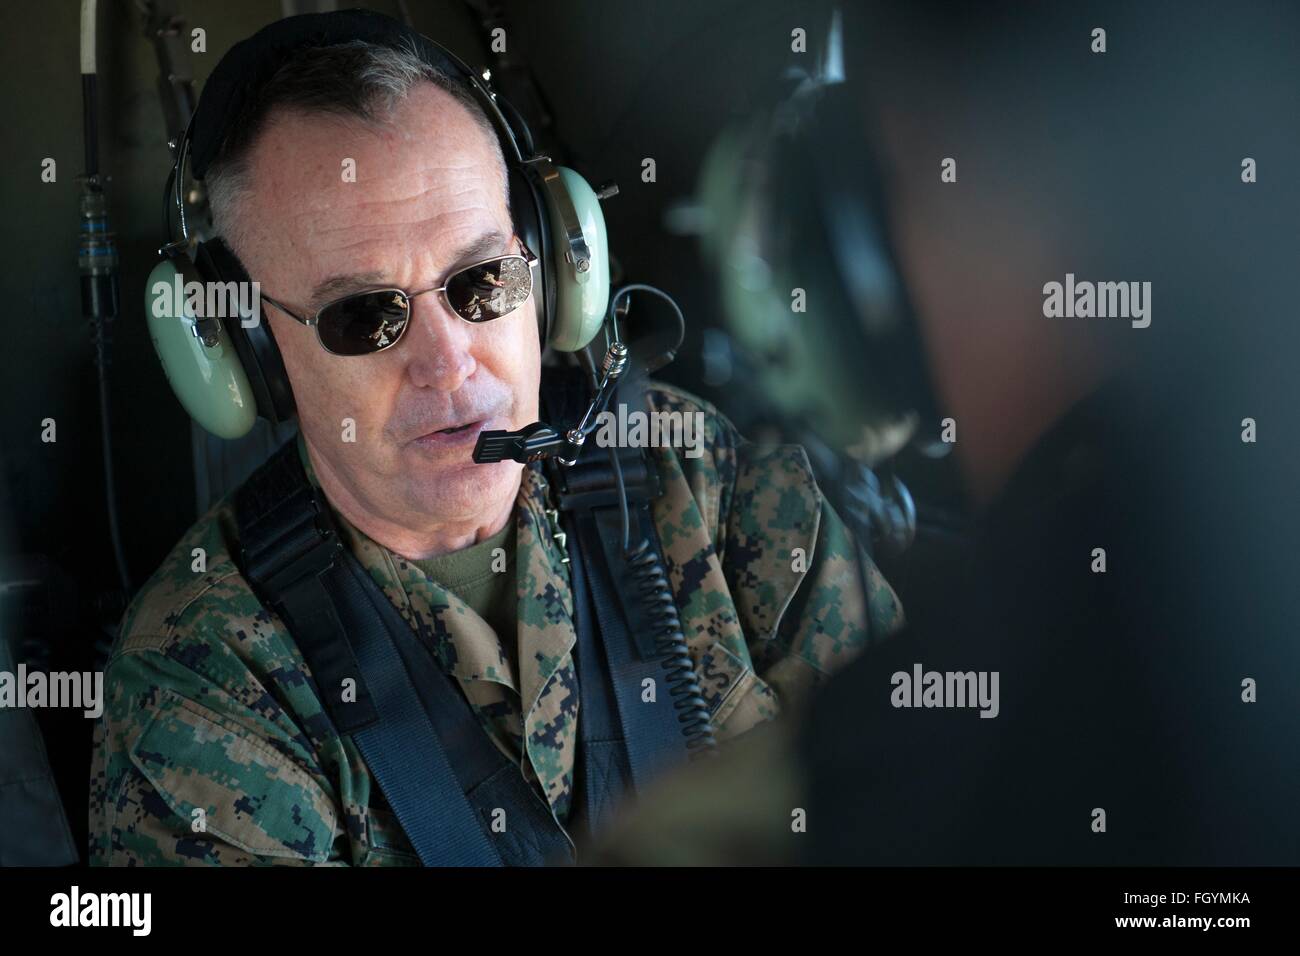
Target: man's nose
<point>438,345</point>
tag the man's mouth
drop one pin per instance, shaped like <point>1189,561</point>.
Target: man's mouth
<point>453,435</point>
<point>452,431</point>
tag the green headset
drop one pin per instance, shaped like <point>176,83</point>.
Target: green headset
<point>227,374</point>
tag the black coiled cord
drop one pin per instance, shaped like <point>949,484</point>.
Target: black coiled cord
<point>670,643</point>
<point>683,686</point>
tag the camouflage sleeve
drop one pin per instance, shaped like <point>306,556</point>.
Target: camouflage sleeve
<point>187,772</point>
<point>797,574</point>
<point>791,565</point>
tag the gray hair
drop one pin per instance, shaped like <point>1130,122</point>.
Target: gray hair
<point>356,78</point>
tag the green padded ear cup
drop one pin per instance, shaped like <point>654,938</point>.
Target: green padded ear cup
<point>210,382</point>
<point>581,298</point>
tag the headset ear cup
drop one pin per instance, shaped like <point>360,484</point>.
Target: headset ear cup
<point>253,342</point>
<point>209,381</point>
<point>581,295</point>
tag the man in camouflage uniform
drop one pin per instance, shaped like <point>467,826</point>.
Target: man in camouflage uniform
<point>214,748</point>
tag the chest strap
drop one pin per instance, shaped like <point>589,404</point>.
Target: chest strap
<point>459,800</point>
<point>640,706</point>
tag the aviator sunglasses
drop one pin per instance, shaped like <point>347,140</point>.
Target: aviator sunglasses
<point>366,322</point>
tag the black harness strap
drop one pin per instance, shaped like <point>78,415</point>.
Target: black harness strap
<point>602,774</point>
<point>443,777</point>
<point>626,741</point>
<point>448,784</point>
<point>516,818</point>
<point>287,541</point>
<point>654,736</point>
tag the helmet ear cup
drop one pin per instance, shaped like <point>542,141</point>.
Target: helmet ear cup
<point>581,288</point>
<point>252,338</point>
<point>209,380</point>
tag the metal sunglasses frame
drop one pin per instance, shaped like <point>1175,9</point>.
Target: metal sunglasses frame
<point>313,321</point>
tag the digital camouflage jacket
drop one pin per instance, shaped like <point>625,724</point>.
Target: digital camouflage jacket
<point>214,749</point>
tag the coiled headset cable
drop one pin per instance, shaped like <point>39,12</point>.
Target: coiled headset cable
<point>651,577</point>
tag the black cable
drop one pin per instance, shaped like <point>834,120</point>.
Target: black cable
<point>680,678</point>
<point>600,408</point>
<point>97,263</point>
<point>622,495</point>
<point>169,200</point>
<point>683,683</point>
<point>667,355</point>
<point>100,335</point>
<point>181,149</point>
<point>90,121</point>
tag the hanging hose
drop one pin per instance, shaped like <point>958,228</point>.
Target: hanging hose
<point>98,263</point>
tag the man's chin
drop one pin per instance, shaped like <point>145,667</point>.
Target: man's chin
<point>462,490</point>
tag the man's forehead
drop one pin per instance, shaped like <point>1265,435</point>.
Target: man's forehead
<point>426,140</point>
<point>354,196</point>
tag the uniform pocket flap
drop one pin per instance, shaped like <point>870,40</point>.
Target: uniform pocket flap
<point>250,795</point>
<point>738,699</point>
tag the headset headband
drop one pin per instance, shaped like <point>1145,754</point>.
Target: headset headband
<point>249,65</point>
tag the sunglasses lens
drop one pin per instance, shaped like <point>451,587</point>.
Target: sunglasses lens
<point>364,323</point>
<point>490,290</point>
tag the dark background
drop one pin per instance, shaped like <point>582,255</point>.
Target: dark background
<point>1141,160</point>
<point>625,80</point>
